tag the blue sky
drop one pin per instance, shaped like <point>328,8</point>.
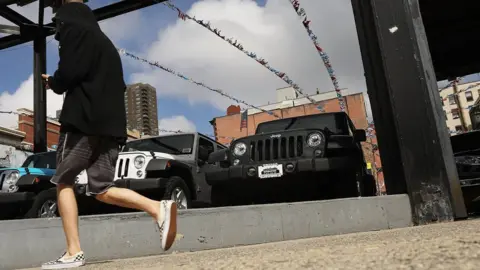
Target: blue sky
<point>269,28</point>
<point>20,64</point>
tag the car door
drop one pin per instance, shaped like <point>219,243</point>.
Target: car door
<point>203,189</point>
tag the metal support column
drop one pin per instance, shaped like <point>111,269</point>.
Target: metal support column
<point>39,93</point>
<point>416,151</point>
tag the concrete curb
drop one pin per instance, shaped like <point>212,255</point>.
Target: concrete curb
<point>28,243</point>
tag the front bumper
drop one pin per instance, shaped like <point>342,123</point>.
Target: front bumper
<point>16,197</point>
<point>141,184</point>
<point>217,175</point>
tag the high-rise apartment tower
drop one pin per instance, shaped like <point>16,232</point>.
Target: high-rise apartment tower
<point>141,107</point>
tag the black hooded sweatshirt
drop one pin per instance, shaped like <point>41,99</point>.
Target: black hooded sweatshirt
<point>90,73</point>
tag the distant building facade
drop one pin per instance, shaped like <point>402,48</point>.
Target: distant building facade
<point>141,107</point>
<point>466,100</point>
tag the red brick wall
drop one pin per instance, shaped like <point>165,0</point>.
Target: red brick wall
<point>25,124</point>
<point>229,126</point>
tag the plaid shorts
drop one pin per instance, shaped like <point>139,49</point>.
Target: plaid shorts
<point>97,155</point>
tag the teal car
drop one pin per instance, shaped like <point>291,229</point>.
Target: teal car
<point>26,192</point>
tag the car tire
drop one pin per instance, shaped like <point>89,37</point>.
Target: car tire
<point>44,205</point>
<point>177,190</point>
<point>220,196</point>
<point>369,186</point>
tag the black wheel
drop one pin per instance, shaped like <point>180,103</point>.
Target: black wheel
<point>369,186</point>
<point>178,191</point>
<point>342,185</point>
<point>45,205</point>
<point>220,196</point>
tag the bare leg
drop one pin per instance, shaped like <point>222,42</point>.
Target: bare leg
<point>130,199</point>
<point>67,207</point>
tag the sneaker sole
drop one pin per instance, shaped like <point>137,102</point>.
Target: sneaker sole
<point>170,231</point>
<point>64,265</point>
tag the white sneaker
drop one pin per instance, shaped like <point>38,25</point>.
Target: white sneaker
<point>65,261</point>
<point>167,223</point>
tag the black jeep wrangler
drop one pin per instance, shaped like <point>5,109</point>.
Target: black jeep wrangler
<point>294,159</point>
<point>466,151</point>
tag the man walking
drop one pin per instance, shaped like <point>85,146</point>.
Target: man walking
<point>93,128</point>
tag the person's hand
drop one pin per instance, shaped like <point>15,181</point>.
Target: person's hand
<point>45,80</point>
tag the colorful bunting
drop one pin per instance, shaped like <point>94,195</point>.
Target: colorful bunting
<point>459,91</point>
<point>326,60</point>
<point>218,91</point>
<point>235,43</point>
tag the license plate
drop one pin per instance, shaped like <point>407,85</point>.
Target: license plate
<point>270,171</point>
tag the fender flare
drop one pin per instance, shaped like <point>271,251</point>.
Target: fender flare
<point>165,168</point>
<point>29,179</point>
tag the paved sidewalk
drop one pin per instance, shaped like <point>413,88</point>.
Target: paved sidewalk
<point>440,246</point>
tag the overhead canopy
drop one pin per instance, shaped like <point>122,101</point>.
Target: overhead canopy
<point>28,29</point>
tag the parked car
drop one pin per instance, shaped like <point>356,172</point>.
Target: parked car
<point>168,167</point>
<point>293,159</point>
<point>466,150</point>
<point>26,191</point>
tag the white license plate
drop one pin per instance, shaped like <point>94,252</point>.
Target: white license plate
<point>270,171</point>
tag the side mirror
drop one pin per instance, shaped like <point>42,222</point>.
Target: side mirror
<point>360,135</point>
<point>219,156</point>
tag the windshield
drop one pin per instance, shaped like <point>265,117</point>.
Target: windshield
<point>174,145</point>
<point>334,123</point>
<point>42,161</point>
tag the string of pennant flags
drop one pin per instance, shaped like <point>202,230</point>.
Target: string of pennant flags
<point>326,60</point>
<point>17,113</point>
<point>457,80</point>
<point>236,44</point>
<point>218,91</point>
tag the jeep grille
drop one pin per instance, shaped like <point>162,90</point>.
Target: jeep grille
<point>122,169</point>
<point>276,148</point>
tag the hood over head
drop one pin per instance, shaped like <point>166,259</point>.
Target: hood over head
<point>75,13</point>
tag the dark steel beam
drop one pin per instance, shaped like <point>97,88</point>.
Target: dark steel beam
<point>7,2</point>
<point>39,91</point>
<point>412,134</point>
<point>13,16</point>
<point>102,13</point>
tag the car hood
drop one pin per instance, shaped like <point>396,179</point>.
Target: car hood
<point>148,154</point>
<point>35,171</point>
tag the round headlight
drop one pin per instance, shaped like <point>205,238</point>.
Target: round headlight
<point>314,139</point>
<point>12,178</point>
<point>139,162</point>
<point>239,149</point>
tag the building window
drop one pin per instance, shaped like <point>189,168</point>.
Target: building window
<point>469,95</point>
<point>455,114</point>
<point>458,128</point>
<point>451,100</point>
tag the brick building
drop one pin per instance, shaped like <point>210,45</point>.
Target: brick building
<point>228,126</point>
<point>289,105</point>
<point>25,124</point>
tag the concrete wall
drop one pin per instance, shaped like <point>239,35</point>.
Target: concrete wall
<point>28,243</point>
<point>12,157</point>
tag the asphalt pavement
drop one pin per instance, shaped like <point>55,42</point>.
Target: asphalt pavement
<point>454,245</point>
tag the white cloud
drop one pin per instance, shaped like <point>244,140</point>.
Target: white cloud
<point>177,122</point>
<point>23,98</point>
<point>274,32</point>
